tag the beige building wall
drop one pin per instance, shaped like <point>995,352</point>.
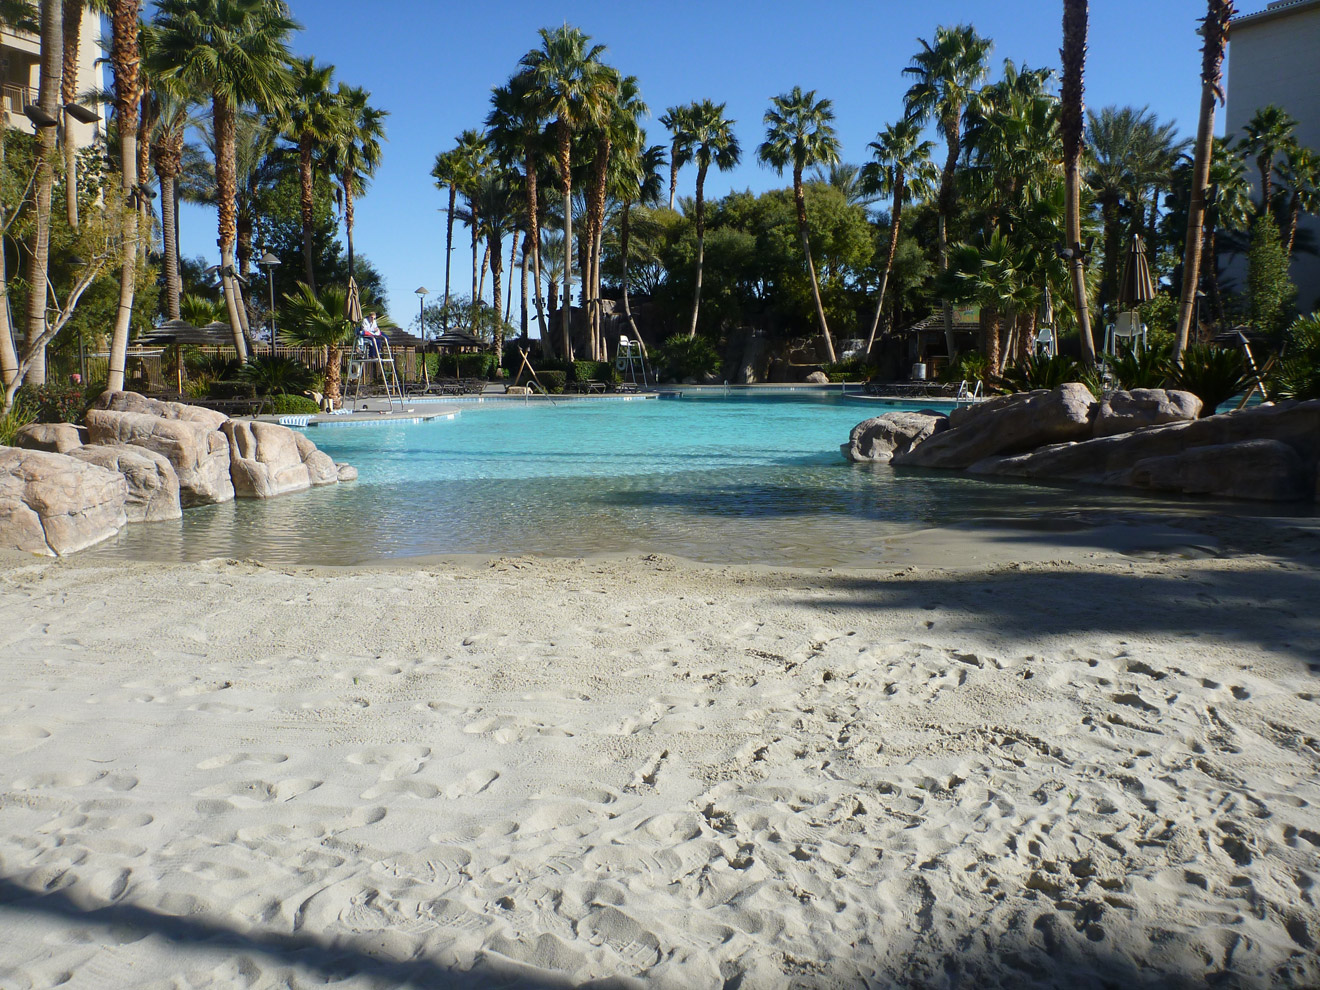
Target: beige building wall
<point>20,71</point>
<point>1274,57</point>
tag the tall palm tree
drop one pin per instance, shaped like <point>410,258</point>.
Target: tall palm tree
<point>637,181</point>
<point>946,75</point>
<point>1300,171</point>
<point>317,320</point>
<point>1214,31</point>
<point>175,115</point>
<point>446,171</point>
<point>472,163</point>
<point>495,200</point>
<point>355,154</point>
<point>236,51</point>
<point>680,150</point>
<point>39,257</point>
<point>570,83</point>
<point>798,134</point>
<point>514,125</point>
<point>1264,136</point>
<point>1071,123</point>
<point>315,121</point>
<point>72,39</point>
<point>902,168</point>
<point>710,141</point>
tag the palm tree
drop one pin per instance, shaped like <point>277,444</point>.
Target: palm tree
<point>44,181</point>
<point>494,200</point>
<point>569,82</point>
<point>315,121</point>
<point>799,134</point>
<point>317,320</point>
<point>901,168</point>
<point>680,150</point>
<point>1265,135</point>
<point>1214,30</point>
<point>174,116</point>
<point>72,31</point>
<point>471,164</point>
<point>445,171</point>
<point>946,75</point>
<point>1300,171</point>
<point>356,152</point>
<point>1071,122</point>
<point>638,181</point>
<point>710,141</point>
<point>514,126</point>
<point>235,50</point>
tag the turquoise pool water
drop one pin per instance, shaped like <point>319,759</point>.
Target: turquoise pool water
<point>742,479</point>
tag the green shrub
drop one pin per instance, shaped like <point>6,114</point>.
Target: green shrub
<point>291,405</point>
<point>851,370</point>
<point>589,371</point>
<point>552,381</point>
<point>211,366</point>
<point>1213,374</point>
<point>683,357</point>
<point>971,366</point>
<point>464,365</point>
<point>1141,367</point>
<point>276,375</point>
<point>19,416</point>
<point>53,402</point>
<point>1039,371</point>
<point>1298,376</point>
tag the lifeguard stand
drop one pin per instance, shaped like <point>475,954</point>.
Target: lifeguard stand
<point>630,361</point>
<point>379,358</point>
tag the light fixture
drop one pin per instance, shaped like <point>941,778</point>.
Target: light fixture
<point>269,262</point>
<point>39,117</point>
<point>422,292</point>
<point>82,114</point>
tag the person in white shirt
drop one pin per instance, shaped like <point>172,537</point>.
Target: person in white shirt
<point>371,335</point>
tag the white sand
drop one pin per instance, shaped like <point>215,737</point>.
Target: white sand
<point>641,773</point>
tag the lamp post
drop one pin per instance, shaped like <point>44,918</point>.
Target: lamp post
<point>422,292</point>
<point>269,262</point>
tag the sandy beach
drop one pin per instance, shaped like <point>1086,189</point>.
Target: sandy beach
<point>1093,770</point>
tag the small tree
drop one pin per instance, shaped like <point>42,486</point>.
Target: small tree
<point>1270,292</point>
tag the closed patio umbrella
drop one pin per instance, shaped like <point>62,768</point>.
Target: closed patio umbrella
<point>1136,287</point>
<point>353,303</point>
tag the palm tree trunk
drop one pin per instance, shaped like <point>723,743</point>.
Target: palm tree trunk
<point>8,354</point>
<point>449,245</point>
<point>307,204</point>
<point>1215,32</point>
<point>513,263</point>
<point>951,127</point>
<point>534,238</point>
<point>895,221</point>
<point>481,286</point>
<point>701,245</point>
<point>73,11</point>
<point>799,197</point>
<point>348,223</point>
<point>992,341</point>
<point>496,269</point>
<point>623,252</point>
<point>170,246</point>
<point>566,182</point>
<point>222,116</point>
<point>476,271</point>
<point>332,391</point>
<point>39,257</point>
<point>525,266</point>
<point>146,124</point>
<point>673,171</point>
<point>1293,216</point>
<point>1071,122</point>
<point>1109,278</point>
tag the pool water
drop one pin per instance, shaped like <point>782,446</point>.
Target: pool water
<point>738,479</point>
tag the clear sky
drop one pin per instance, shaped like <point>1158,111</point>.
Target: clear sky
<point>432,65</point>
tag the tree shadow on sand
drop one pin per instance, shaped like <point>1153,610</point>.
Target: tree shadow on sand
<point>1042,955</point>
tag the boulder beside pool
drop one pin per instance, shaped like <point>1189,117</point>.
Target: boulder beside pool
<point>267,460</point>
<point>54,504</point>
<point>153,487</point>
<point>57,438</point>
<point>879,439</point>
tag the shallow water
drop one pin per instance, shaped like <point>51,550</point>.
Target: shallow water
<point>741,480</point>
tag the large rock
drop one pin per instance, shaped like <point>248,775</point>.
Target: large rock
<point>346,472</point>
<point>57,438</point>
<point>1123,412</point>
<point>879,439</point>
<point>818,378</point>
<point>1006,425</point>
<point>1110,460</point>
<point>54,504</point>
<point>268,460</point>
<point>153,487</point>
<point>1266,470</point>
<point>132,402</point>
<point>198,451</point>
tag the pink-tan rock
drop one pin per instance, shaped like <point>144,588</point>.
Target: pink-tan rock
<point>267,460</point>
<point>54,504</point>
<point>195,447</point>
<point>153,487</point>
<point>57,438</point>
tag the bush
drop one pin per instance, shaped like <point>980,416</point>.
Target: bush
<point>1138,367</point>
<point>1038,371</point>
<point>464,365</point>
<point>683,357</point>
<point>53,402</point>
<point>19,416</point>
<point>276,375</point>
<point>553,381</point>
<point>1298,377</point>
<point>1213,374</point>
<point>852,370</point>
<point>588,371</point>
<point>971,366</point>
<point>291,405</point>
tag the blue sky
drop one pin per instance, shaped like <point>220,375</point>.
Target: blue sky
<point>432,65</point>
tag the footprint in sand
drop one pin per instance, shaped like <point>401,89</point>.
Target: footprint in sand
<point>400,788</point>
<point>474,783</point>
<point>251,793</point>
<point>394,761</point>
<point>230,759</point>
